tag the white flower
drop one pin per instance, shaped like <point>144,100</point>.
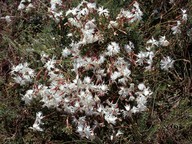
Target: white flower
<point>101,11</point>
<point>141,57</point>
<point>36,125</point>
<point>138,13</point>
<point>149,48</point>
<point>134,109</point>
<point>100,108</point>
<point>66,52</point>
<point>8,19</point>
<point>101,59</point>
<point>29,7</point>
<point>149,62</point>
<point>110,118</point>
<point>74,11</point>
<point>21,6</point>
<point>83,128</point>
<point>141,86</point>
<point>176,29</point>
<point>88,132</point>
<point>112,24</point>
<point>123,92</point>
<point>163,41</point>
<point>121,63</point>
<point>54,3</point>
<point>85,131</point>
<point>131,98</point>
<point>129,47</point>
<point>113,49</point>
<point>118,133</point>
<point>44,57</point>
<point>125,14</point>
<point>77,104</point>
<point>89,36</point>
<point>143,90</point>
<point>17,68</point>
<point>126,72</point>
<point>69,35</point>
<point>75,22</point>
<point>136,5</point>
<point>90,24</point>
<point>80,129</point>
<point>153,42</point>
<point>123,80</point>
<point>50,65</point>
<point>127,107</point>
<point>115,75</point>
<point>184,15</point>
<point>147,92</point>
<point>99,74</point>
<point>83,12</point>
<point>87,80</point>
<point>134,15</point>
<point>23,74</point>
<point>56,15</point>
<point>104,87</point>
<point>28,96</point>
<point>141,103</point>
<point>91,5</point>
<point>166,63</point>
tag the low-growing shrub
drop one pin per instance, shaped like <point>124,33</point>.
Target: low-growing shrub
<point>95,75</point>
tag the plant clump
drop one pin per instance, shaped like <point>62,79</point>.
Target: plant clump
<point>102,75</point>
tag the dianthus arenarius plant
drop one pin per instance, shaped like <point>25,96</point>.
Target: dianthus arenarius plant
<point>98,89</point>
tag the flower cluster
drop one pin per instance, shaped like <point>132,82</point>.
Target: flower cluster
<point>38,122</point>
<point>55,13</point>
<point>146,57</point>
<point>177,28</point>
<point>134,15</point>
<point>22,73</point>
<point>23,6</point>
<point>101,84</point>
